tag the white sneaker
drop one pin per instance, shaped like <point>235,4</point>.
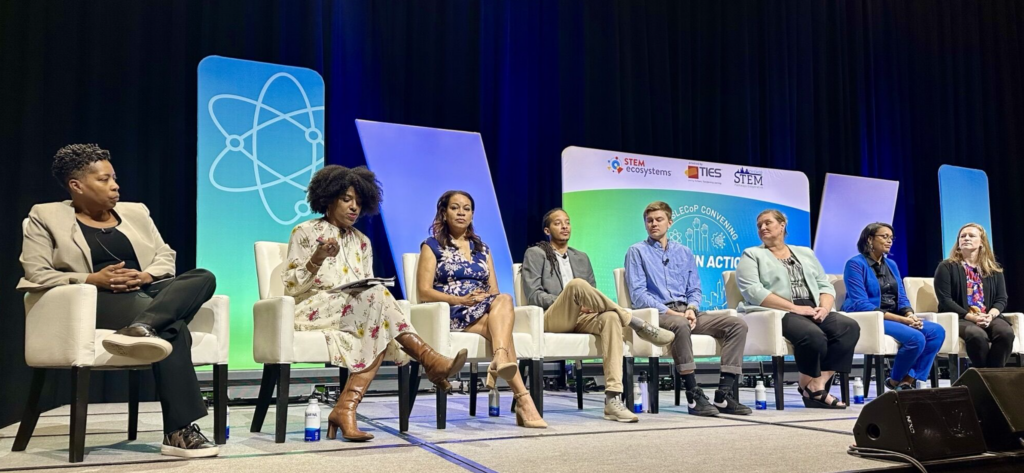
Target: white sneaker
<point>615,410</point>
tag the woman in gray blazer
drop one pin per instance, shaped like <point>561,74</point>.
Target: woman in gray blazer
<point>790,278</point>
<point>95,239</point>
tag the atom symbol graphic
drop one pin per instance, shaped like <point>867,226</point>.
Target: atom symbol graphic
<point>236,144</point>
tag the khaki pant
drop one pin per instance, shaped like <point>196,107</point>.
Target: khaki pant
<point>731,333</point>
<point>606,320</point>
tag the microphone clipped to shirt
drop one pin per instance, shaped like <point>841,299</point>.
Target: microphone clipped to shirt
<point>105,231</point>
<point>665,261</point>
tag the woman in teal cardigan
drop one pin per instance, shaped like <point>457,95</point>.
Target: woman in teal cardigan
<point>873,284</point>
<point>790,279</point>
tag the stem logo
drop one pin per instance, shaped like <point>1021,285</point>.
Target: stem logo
<point>615,166</point>
<point>635,166</point>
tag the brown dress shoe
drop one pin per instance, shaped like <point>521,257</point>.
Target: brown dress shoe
<point>437,366</point>
<point>343,415</point>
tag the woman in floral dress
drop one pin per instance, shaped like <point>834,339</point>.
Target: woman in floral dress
<point>455,267</point>
<point>358,325</point>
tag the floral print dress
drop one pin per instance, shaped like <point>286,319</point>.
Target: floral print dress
<point>358,325</point>
<point>975,291</point>
<point>457,276</point>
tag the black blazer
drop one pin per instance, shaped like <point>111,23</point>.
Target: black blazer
<point>951,289</point>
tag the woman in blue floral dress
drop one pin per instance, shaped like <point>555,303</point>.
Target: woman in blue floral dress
<point>455,267</point>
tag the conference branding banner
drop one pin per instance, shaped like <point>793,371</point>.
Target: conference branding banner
<point>714,209</point>
<point>260,139</point>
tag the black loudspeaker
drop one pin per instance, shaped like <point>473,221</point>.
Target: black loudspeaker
<point>998,396</point>
<point>927,424</point>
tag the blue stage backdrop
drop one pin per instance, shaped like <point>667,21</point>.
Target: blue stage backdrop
<point>848,204</point>
<point>416,165</point>
<point>260,140</point>
<point>963,199</point>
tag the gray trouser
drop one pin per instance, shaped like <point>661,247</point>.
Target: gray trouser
<point>731,333</point>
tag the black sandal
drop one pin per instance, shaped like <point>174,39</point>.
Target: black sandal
<point>816,399</point>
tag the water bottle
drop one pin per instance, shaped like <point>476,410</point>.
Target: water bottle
<point>760,396</point>
<point>313,421</point>
<point>858,391</point>
<point>493,403</point>
<point>227,423</point>
<point>638,400</point>
<point>644,393</point>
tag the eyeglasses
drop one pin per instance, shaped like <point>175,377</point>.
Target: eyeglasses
<point>885,237</point>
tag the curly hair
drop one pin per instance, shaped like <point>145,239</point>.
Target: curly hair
<point>331,182</point>
<point>439,228</point>
<point>71,161</point>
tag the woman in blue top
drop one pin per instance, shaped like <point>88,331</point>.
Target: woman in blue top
<point>873,284</point>
<point>455,267</point>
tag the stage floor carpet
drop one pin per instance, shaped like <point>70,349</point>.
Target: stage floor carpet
<point>793,440</point>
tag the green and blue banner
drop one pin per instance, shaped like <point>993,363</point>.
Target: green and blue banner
<point>715,209</point>
<point>260,139</point>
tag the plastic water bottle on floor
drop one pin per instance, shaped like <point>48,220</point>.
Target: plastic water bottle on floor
<point>227,423</point>
<point>858,391</point>
<point>638,400</point>
<point>760,396</point>
<point>313,420</point>
<point>645,401</point>
<point>493,403</point>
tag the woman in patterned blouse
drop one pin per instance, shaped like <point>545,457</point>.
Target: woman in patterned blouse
<point>455,267</point>
<point>970,283</point>
<point>360,325</point>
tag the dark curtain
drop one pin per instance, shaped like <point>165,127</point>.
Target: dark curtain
<point>874,88</point>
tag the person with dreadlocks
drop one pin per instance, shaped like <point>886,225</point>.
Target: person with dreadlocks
<point>560,280</point>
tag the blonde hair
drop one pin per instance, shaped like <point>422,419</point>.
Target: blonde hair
<point>778,216</point>
<point>986,259</point>
<point>658,205</point>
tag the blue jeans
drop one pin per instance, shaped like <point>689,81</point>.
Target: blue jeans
<point>917,348</point>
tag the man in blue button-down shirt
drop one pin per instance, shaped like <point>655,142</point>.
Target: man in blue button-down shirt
<point>662,274</point>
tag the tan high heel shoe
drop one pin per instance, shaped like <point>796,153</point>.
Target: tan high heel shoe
<point>343,415</point>
<point>529,424</point>
<point>505,371</point>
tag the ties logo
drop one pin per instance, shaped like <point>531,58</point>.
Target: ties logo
<point>704,173</point>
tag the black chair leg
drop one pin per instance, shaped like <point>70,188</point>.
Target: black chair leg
<point>844,380</point>
<point>133,404</point>
<point>283,384</point>
<point>414,382</point>
<point>404,397</point>
<point>270,374</point>
<point>627,383</point>
<point>677,383</point>
<point>579,384</point>
<point>442,408</point>
<point>954,368</point>
<point>779,374</point>
<point>342,377</point>
<point>220,404</point>
<point>654,365</point>
<point>934,375</point>
<point>563,380</point>
<point>31,415</point>
<point>537,384</point>
<point>474,377</point>
<point>879,376</point>
<point>79,412</point>
<point>868,360</point>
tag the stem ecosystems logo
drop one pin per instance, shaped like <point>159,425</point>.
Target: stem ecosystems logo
<point>636,166</point>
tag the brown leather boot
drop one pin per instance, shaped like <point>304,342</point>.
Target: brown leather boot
<point>437,366</point>
<point>344,413</point>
